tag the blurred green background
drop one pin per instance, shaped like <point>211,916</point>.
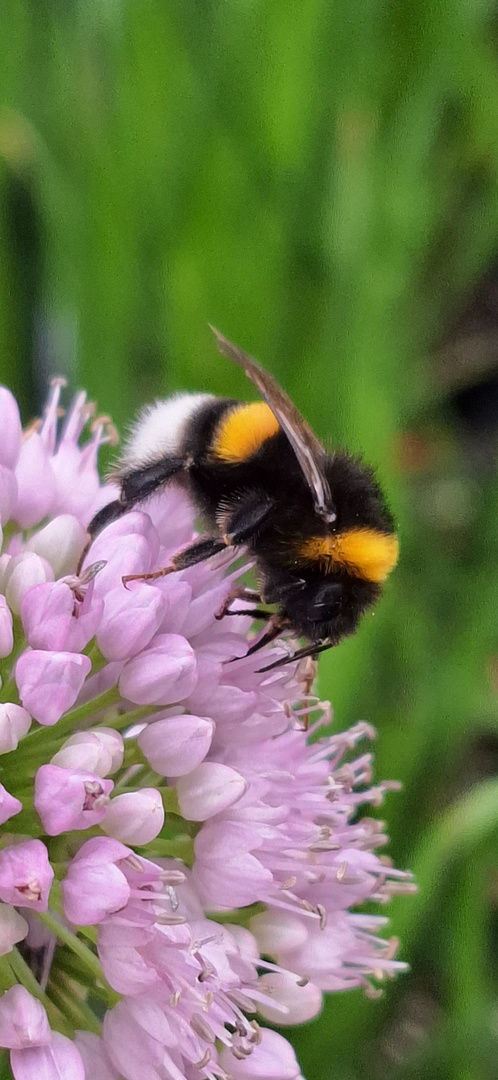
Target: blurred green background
<point>320,180</point>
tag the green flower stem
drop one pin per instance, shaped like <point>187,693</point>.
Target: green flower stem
<point>7,978</point>
<point>9,688</point>
<point>79,1013</point>
<point>5,1070</point>
<point>170,800</point>
<point>87,957</point>
<point>182,847</point>
<point>65,726</point>
<point>124,720</point>
<point>24,975</point>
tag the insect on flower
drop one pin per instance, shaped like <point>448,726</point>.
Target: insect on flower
<point>317,523</point>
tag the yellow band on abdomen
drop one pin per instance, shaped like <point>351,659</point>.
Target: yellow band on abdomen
<point>365,553</point>
<point>243,431</point>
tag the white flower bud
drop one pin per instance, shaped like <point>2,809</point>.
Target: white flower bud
<point>22,572</point>
<point>136,817</point>
<point>99,750</point>
<point>208,790</point>
<point>60,543</point>
<point>15,723</point>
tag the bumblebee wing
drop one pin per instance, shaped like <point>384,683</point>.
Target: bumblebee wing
<point>308,450</point>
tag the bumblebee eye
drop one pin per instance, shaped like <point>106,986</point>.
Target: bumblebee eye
<point>326,601</point>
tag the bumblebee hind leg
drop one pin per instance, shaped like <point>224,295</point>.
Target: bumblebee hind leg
<point>196,553</point>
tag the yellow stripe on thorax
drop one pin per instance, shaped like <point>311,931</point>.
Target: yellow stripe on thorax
<point>366,553</point>
<point>243,431</point>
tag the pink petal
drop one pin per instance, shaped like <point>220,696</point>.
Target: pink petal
<point>49,682</point>
<point>60,1060</point>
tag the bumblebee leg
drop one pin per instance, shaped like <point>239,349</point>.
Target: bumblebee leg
<point>135,487</point>
<point>141,483</point>
<point>257,613</point>
<point>277,625</point>
<point>239,592</point>
<point>312,650</point>
<point>245,519</point>
<point>196,553</point>
<point>109,513</point>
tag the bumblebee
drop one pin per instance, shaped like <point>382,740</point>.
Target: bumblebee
<point>316,523</point>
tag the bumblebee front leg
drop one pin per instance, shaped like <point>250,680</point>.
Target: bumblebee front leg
<point>196,553</point>
<point>239,592</point>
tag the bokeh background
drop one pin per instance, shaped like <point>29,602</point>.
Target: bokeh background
<point>320,180</point>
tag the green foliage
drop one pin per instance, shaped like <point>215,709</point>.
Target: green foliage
<point>319,180</point>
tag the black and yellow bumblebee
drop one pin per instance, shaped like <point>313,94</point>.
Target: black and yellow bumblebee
<point>316,523</point>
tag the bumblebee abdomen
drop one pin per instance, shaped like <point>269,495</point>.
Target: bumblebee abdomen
<point>161,428</point>
<point>242,432</point>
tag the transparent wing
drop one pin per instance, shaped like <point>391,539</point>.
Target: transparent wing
<point>308,450</point>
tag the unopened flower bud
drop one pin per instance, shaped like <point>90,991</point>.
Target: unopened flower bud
<point>22,572</point>
<point>208,790</point>
<point>176,745</point>
<point>8,493</point>
<point>35,482</point>
<point>10,426</point>
<point>136,817</point>
<point>60,543</point>
<point>23,1020</point>
<point>94,885</point>
<point>99,750</point>
<point>272,1059</point>
<point>278,931</point>
<point>49,682</point>
<point>60,1058</point>
<point>131,618</point>
<point>9,805</point>
<point>94,1056</point>
<point>161,674</point>
<point>13,928</point>
<point>6,631</point>
<point>70,798</point>
<point>50,621</point>
<point>294,1003</point>
<point>26,875</point>
<point>15,723</point>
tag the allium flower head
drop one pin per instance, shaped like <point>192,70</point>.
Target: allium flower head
<point>224,835</point>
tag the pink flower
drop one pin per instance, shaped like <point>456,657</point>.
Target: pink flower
<point>164,672</point>
<point>70,798</point>
<point>176,745</point>
<point>130,621</point>
<point>59,1058</point>
<point>35,482</point>
<point>272,1059</point>
<point>60,543</point>
<point>136,817</point>
<point>9,805</point>
<point>15,722</point>
<point>55,621</point>
<point>49,682</point>
<point>26,875</point>
<point>99,750</point>
<point>94,1056</point>
<point>208,790</point>
<point>23,572</point>
<point>10,426</point>
<point>13,928</point>
<point>145,684</point>
<point>6,631</point>
<point>96,884</point>
<point>23,1020</point>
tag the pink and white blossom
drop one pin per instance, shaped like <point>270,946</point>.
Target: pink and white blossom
<point>143,683</point>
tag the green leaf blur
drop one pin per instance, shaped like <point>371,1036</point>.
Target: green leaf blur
<point>320,181</point>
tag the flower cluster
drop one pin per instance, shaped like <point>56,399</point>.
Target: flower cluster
<point>177,856</point>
